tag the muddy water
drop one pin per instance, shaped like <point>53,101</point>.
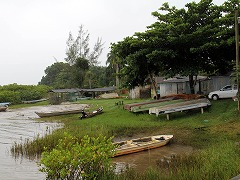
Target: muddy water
<point>142,160</point>
<point>16,126</point>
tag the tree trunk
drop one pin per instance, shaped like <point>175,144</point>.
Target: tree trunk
<point>117,78</point>
<point>154,86</point>
<point>191,84</point>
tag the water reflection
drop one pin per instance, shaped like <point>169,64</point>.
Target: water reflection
<point>16,127</point>
<point>142,160</point>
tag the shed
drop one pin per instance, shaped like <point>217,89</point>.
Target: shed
<point>180,85</point>
<point>73,94</point>
<point>140,92</point>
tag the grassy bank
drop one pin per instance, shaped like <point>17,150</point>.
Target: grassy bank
<point>214,135</point>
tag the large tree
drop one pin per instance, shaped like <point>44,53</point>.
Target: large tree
<point>79,48</point>
<point>183,41</point>
<point>58,75</point>
<point>80,57</point>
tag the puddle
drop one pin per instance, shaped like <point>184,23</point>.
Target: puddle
<point>142,160</point>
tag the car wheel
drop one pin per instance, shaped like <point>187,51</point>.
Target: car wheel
<point>215,97</point>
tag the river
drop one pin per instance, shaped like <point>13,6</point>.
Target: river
<point>16,125</point>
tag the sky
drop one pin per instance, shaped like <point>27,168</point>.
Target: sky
<point>33,33</point>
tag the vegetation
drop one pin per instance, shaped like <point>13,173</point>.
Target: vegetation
<point>15,93</point>
<point>214,136</point>
<point>87,159</point>
<point>188,41</point>
<point>81,68</point>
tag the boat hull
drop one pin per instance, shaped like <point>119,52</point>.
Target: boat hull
<point>57,113</point>
<point>3,108</point>
<point>137,145</point>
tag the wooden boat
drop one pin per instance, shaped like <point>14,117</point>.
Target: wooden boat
<point>180,107</point>
<point>91,114</point>
<point>34,101</point>
<point>58,113</point>
<point>141,144</point>
<point>3,108</point>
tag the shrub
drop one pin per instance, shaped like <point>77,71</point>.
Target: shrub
<point>10,96</point>
<point>15,93</point>
<point>88,159</point>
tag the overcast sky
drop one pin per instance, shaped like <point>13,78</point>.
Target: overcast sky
<point>33,33</point>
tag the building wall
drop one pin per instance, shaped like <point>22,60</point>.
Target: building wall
<point>173,88</point>
<point>140,92</point>
<point>207,86</point>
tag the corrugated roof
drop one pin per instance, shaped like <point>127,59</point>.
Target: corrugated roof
<point>180,79</point>
<point>72,90</point>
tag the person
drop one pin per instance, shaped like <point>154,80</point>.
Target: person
<point>84,114</point>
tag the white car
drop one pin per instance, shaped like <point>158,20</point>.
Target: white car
<point>228,91</point>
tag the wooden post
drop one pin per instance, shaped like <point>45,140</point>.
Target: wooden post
<point>237,53</point>
<point>168,117</point>
<point>202,110</point>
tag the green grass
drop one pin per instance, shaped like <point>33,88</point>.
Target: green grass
<point>213,135</point>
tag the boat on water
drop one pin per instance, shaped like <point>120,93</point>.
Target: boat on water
<point>91,114</point>
<point>58,113</point>
<point>141,144</point>
<point>3,108</point>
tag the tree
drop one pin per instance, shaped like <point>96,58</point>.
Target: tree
<point>58,75</point>
<point>191,39</point>
<point>79,48</point>
<point>183,41</point>
<point>113,61</point>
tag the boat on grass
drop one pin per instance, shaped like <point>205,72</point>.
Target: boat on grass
<point>34,101</point>
<point>58,113</point>
<point>141,144</point>
<point>5,104</point>
<point>91,114</point>
<point>3,108</point>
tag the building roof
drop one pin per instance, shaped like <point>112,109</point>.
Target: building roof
<point>73,90</point>
<point>179,79</point>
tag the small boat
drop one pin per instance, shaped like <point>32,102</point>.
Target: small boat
<point>5,104</point>
<point>58,113</point>
<point>91,114</point>
<point>34,101</point>
<point>141,144</point>
<point>3,108</point>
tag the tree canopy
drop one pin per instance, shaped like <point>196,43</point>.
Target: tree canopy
<point>186,41</point>
<point>81,68</point>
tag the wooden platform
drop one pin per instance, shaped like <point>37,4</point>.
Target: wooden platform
<point>181,106</point>
<point>140,105</point>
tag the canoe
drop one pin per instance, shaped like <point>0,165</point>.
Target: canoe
<point>34,101</point>
<point>181,106</point>
<point>141,144</point>
<point>5,104</point>
<point>58,113</point>
<point>3,108</point>
<point>91,114</point>
<point>131,106</point>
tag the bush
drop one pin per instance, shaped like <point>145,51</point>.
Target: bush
<point>10,96</point>
<point>15,93</point>
<point>88,159</point>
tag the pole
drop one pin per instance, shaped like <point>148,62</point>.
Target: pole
<point>237,54</point>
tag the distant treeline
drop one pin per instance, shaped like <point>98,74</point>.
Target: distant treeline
<point>15,93</point>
